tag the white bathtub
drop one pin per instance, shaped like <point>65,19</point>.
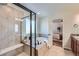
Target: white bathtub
<point>40,48</point>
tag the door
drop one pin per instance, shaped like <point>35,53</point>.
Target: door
<point>29,33</point>
<point>28,30</point>
<point>34,30</point>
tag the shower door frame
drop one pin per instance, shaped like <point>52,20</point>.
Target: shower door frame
<point>31,12</point>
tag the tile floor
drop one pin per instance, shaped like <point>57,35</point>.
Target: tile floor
<point>22,54</point>
<point>58,51</point>
<point>54,51</point>
<point>56,43</point>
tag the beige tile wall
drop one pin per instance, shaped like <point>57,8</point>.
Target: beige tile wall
<point>8,37</point>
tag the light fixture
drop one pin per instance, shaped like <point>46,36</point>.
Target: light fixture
<point>76,20</point>
<point>38,12</point>
<point>18,19</point>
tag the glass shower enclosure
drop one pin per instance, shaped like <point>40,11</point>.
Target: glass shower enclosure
<point>28,31</point>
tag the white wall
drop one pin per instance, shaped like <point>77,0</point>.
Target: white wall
<point>67,14</point>
<point>44,26</point>
<point>68,28</point>
<point>38,24</point>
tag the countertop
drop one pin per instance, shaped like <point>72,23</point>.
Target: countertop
<point>76,37</point>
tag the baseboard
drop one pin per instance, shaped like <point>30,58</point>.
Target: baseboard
<point>67,49</point>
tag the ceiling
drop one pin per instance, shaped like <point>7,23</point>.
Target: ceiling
<point>47,9</point>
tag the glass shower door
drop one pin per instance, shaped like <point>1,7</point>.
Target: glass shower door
<point>26,34</point>
<point>29,34</point>
<point>34,51</point>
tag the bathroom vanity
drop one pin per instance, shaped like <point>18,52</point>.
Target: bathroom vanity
<point>75,44</point>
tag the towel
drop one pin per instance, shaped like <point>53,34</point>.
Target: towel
<point>47,44</point>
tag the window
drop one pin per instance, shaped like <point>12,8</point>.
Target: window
<point>16,28</point>
<point>28,26</point>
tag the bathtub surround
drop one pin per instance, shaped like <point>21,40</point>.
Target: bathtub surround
<point>40,50</point>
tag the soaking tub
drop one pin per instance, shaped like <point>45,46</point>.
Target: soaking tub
<point>41,48</point>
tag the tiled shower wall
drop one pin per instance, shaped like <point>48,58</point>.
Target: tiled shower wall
<point>8,37</point>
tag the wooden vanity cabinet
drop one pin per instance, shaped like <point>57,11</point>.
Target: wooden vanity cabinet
<point>75,46</point>
<point>72,44</point>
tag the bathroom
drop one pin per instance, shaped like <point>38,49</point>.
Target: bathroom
<point>19,30</point>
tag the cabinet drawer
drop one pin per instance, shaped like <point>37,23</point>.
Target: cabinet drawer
<point>72,44</point>
<point>77,53</point>
<point>77,48</point>
<point>74,40</point>
<point>77,42</point>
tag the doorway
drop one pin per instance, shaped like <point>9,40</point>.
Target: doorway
<point>58,32</point>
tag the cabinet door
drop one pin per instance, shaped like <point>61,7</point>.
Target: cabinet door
<point>72,44</point>
<point>77,48</point>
